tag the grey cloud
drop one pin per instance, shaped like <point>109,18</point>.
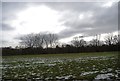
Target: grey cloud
<point>105,21</point>
<point>4,41</point>
<point>9,9</point>
<point>6,27</point>
<point>74,6</point>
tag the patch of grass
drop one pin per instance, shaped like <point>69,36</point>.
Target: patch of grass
<point>78,66</point>
<point>67,55</point>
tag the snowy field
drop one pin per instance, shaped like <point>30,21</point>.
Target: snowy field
<point>52,67</point>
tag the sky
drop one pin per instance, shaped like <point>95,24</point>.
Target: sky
<point>67,19</point>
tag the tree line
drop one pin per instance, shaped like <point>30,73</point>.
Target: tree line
<point>39,40</point>
<point>48,43</point>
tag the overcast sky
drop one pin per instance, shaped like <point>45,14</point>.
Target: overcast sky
<point>67,19</point>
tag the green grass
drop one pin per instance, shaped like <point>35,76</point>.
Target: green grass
<point>59,65</point>
<point>73,55</point>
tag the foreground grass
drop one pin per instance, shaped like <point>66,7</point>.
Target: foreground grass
<point>60,66</point>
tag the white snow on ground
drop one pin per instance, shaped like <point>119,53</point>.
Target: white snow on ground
<point>104,76</point>
<point>86,73</point>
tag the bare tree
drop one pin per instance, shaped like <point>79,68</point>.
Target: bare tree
<point>27,40</point>
<point>38,40</point>
<point>51,40</point>
<point>116,39</point>
<point>32,40</point>
<point>109,39</point>
<point>95,42</point>
<point>77,42</point>
<point>46,40</point>
<point>82,42</point>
